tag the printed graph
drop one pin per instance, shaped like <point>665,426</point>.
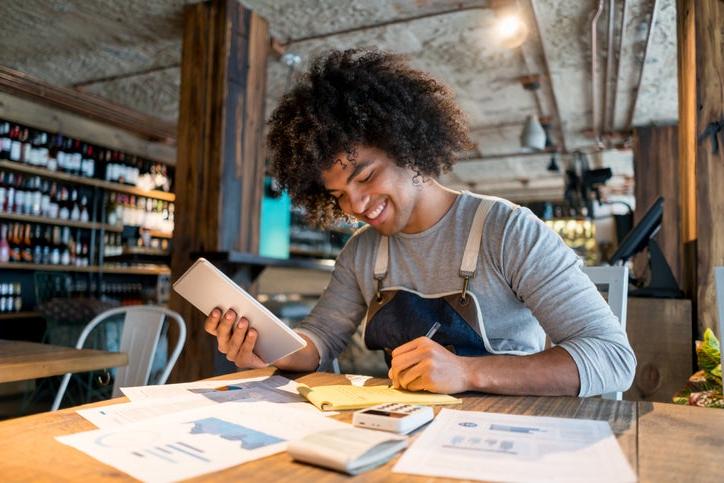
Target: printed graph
<point>249,438</point>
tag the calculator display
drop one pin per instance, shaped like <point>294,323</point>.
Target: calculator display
<point>377,412</point>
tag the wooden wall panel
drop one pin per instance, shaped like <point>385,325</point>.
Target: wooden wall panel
<point>659,331</point>
<point>656,162</point>
<point>220,167</point>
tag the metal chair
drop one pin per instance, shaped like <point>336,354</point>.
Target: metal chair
<point>614,281</point>
<point>139,338</point>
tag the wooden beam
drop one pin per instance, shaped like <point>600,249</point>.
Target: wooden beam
<point>86,105</point>
<point>687,142</point>
<point>220,158</point>
<point>709,21</point>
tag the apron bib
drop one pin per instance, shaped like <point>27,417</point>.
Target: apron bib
<point>398,315</point>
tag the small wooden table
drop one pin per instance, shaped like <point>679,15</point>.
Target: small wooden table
<point>663,442</point>
<point>21,360</point>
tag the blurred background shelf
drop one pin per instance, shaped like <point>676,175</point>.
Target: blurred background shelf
<point>29,314</point>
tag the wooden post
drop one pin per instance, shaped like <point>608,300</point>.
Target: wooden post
<point>220,165</point>
<point>701,103</point>
<point>656,162</point>
<point>709,21</point>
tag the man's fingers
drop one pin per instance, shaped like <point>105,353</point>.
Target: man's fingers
<point>223,331</point>
<point>212,321</point>
<point>404,360</point>
<point>414,373</point>
<point>237,339</point>
<point>414,344</point>
<point>247,350</point>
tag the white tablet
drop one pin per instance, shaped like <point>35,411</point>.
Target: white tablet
<point>207,288</point>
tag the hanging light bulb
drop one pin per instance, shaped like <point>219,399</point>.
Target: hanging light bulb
<point>511,30</point>
<point>533,137</point>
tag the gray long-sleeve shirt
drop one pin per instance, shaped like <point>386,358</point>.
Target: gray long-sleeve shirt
<point>528,284</point>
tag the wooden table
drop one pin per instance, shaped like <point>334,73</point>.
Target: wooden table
<point>663,442</point>
<point>21,360</point>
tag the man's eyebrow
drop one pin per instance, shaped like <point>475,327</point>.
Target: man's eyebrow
<point>357,168</point>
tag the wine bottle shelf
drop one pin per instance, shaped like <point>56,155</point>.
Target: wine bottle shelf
<point>56,221</point>
<point>128,270</point>
<point>19,315</point>
<point>160,234</point>
<point>23,168</point>
<point>156,252</point>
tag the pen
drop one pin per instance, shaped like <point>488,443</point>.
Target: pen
<point>430,334</point>
<point>433,330</point>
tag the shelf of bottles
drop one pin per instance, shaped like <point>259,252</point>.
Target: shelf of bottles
<point>73,206</point>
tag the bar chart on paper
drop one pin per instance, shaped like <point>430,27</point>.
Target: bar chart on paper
<point>199,441</point>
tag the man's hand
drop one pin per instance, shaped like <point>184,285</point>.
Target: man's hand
<point>235,338</point>
<point>423,364</point>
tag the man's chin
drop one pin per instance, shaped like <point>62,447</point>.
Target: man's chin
<point>385,229</point>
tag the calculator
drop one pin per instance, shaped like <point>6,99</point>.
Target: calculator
<point>393,417</point>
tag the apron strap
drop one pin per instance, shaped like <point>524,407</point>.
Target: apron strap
<point>470,256</point>
<point>381,263</point>
<point>472,247</point>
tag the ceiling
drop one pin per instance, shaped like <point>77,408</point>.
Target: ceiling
<point>129,52</point>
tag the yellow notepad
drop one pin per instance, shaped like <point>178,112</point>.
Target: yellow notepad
<point>337,398</point>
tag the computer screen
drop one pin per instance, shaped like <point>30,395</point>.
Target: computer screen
<point>638,238</point>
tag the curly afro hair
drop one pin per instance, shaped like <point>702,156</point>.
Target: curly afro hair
<point>360,97</point>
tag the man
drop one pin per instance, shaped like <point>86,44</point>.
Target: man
<point>365,136</point>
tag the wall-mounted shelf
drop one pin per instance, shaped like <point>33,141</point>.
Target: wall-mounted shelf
<point>57,221</point>
<point>255,264</point>
<point>20,315</point>
<point>122,188</point>
<point>132,270</point>
<point>160,234</point>
<point>155,252</point>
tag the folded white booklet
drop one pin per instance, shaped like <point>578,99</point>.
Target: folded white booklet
<point>349,450</point>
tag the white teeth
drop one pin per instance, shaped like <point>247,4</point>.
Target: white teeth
<point>376,212</point>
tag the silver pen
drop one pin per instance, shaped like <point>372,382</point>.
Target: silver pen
<point>433,330</point>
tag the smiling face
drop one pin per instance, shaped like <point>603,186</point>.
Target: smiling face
<point>373,189</point>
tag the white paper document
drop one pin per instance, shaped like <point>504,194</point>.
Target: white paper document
<point>199,388</point>
<point>504,447</point>
<point>191,443</point>
<point>154,401</point>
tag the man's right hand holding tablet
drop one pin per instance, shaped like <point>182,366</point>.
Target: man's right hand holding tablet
<point>236,339</point>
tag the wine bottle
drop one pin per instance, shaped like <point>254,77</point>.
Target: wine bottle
<point>5,140</point>
<point>4,245</point>
<point>27,250</point>
<point>16,146</point>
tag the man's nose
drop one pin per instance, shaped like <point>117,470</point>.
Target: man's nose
<point>358,202</point>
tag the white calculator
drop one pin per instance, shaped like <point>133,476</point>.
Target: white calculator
<point>394,417</point>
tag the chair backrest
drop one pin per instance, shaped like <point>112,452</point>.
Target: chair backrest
<point>139,339</point>
<point>719,287</point>
<point>613,280</point>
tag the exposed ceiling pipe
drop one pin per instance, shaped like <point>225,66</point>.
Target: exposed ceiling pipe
<point>594,75</point>
<point>609,63</point>
<point>461,6</point>
<point>652,23</point>
<point>612,121</point>
<point>561,131</point>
